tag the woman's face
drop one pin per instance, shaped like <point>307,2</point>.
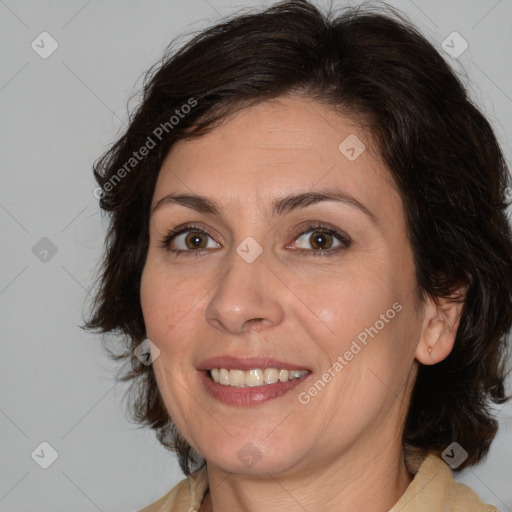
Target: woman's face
<point>332,335</point>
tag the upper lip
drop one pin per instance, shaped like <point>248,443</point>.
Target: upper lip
<point>247,363</point>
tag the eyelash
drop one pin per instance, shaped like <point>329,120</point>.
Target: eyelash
<point>341,237</point>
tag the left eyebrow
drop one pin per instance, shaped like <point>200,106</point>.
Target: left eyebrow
<point>280,206</point>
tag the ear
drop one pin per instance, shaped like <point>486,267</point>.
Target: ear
<point>440,323</point>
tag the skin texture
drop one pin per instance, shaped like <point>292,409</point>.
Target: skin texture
<point>342,450</point>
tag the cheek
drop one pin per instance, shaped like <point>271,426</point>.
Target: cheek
<point>165,303</point>
<point>153,308</point>
<point>167,310</point>
<point>364,314</point>
<point>344,302</point>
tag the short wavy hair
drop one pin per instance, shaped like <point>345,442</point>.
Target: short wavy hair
<point>376,68</point>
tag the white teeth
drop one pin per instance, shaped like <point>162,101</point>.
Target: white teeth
<point>283,375</point>
<point>224,377</point>
<point>255,377</point>
<point>236,378</point>
<point>271,376</point>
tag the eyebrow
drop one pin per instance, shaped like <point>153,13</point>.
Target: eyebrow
<point>280,206</point>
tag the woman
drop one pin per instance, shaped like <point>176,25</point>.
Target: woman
<point>309,236</point>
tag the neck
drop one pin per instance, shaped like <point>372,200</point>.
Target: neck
<point>375,483</point>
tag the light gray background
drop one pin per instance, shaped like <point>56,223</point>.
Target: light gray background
<point>58,115</point>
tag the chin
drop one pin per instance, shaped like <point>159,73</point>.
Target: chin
<point>255,461</point>
<point>254,454</point>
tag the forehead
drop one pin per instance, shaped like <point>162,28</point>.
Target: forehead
<point>277,147</point>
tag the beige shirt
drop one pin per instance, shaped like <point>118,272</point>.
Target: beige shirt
<point>433,489</point>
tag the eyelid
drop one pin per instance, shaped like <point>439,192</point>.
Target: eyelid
<point>306,227</point>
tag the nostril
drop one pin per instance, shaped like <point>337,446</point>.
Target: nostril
<point>253,321</point>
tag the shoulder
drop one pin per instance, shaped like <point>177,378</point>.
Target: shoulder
<point>184,496</point>
<point>434,489</point>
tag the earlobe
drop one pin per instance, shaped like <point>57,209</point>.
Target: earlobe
<point>440,324</point>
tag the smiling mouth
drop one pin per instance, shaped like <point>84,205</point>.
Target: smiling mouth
<point>254,377</point>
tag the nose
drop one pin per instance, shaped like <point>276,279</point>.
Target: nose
<point>247,296</point>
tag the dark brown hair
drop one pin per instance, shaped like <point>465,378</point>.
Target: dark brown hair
<point>441,152</point>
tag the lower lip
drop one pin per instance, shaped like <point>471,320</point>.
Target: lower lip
<point>249,396</point>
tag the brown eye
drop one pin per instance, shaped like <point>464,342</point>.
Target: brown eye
<point>189,239</point>
<point>195,240</point>
<point>321,240</point>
